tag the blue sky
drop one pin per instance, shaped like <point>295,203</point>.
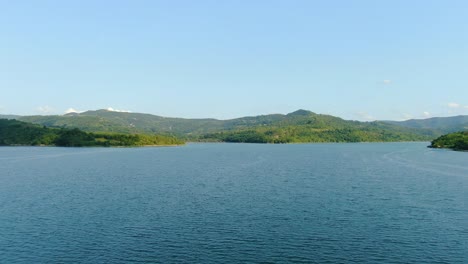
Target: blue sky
<point>359,60</point>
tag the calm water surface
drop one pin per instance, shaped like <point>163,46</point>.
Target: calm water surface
<point>234,203</point>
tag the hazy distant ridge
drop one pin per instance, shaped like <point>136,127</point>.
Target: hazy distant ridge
<point>440,124</point>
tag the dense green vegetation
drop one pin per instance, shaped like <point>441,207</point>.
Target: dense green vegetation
<point>299,126</point>
<point>442,125</point>
<point>305,126</point>
<point>109,128</point>
<point>455,141</point>
<point>119,122</point>
<point>308,133</point>
<point>13,132</point>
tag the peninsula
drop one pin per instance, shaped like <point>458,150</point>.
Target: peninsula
<point>455,141</point>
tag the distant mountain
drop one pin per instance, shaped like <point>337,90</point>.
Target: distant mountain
<point>298,126</point>
<point>441,125</point>
<point>123,122</point>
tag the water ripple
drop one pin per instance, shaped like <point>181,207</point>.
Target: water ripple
<point>235,203</point>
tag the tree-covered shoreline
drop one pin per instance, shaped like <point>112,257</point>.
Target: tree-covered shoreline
<point>108,128</point>
<point>317,133</point>
<point>17,133</point>
<point>456,141</point>
<point>298,126</point>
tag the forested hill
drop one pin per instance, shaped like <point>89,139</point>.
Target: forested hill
<point>442,125</point>
<point>121,122</point>
<point>13,133</point>
<point>298,126</point>
<point>320,131</point>
<point>455,141</point>
<point>110,121</point>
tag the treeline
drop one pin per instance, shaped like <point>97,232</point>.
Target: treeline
<point>107,128</point>
<point>13,132</point>
<point>309,133</point>
<point>203,129</point>
<point>455,141</point>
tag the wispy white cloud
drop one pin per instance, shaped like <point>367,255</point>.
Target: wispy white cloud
<point>454,105</point>
<point>387,82</point>
<point>364,116</point>
<point>72,110</point>
<point>426,114</point>
<point>406,116</point>
<point>45,109</point>
<point>117,110</point>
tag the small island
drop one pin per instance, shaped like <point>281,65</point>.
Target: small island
<point>456,141</point>
<point>17,133</point>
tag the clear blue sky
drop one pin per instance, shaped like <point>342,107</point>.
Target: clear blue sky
<point>354,59</point>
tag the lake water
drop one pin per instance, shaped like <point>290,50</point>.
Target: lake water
<point>234,203</point>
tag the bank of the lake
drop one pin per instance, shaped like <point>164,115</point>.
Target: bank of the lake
<point>17,133</point>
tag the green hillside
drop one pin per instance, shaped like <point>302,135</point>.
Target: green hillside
<point>121,122</point>
<point>299,126</point>
<point>442,125</point>
<point>13,132</point>
<point>321,130</point>
<point>455,141</point>
<point>108,121</point>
